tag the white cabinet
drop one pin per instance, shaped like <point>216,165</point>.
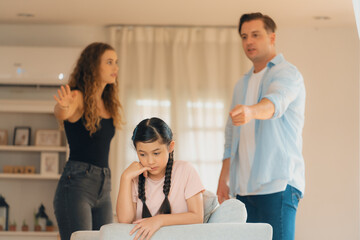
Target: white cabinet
<point>25,192</point>
<point>25,150</point>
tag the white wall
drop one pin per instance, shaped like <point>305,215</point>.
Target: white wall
<point>329,61</point>
<point>51,35</point>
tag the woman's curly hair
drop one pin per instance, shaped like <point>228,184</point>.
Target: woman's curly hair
<point>85,79</point>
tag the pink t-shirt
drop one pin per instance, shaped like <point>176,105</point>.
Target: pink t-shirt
<point>185,183</point>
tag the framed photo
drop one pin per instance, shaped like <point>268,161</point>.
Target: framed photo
<point>45,137</point>
<point>22,136</point>
<point>49,163</point>
<point>3,137</point>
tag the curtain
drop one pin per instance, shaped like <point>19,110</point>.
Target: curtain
<point>184,75</point>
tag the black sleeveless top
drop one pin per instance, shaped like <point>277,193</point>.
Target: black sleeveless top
<point>92,149</point>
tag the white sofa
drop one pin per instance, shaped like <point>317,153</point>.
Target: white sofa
<point>227,221</point>
<point>206,231</point>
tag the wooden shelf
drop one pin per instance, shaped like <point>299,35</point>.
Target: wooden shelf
<point>27,106</point>
<point>28,176</point>
<point>32,148</point>
<point>29,233</point>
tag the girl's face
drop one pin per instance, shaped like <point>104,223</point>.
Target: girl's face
<point>154,155</point>
<point>108,68</point>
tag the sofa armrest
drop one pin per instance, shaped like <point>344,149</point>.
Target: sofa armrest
<point>208,231</point>
<point>230,211</point>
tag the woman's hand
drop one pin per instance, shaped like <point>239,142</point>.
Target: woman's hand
<point>146,227</point>
<point>66,97</point>
<point>135,169</point>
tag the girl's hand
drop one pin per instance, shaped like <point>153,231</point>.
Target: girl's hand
<point>66,96</point>
<point>135,169</point>
<point>146,227</point>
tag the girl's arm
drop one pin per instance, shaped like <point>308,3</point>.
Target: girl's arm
<point>125,207</point>
<point>148,226</point>
<point>68,103</point>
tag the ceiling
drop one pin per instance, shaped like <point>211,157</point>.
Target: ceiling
<point>170,12</point>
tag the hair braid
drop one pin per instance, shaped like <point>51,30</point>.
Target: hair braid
<point>141,189</point>
<point>165,207</point>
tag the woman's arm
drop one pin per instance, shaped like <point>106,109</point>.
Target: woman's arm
<point>125,207</point>
<point>148,226</point>
<point>68,102</point>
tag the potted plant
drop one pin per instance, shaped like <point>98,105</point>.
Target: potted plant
<point>49,226</point>
<point>37,227</point>
<point>12,226</point>
<point>24,227</point>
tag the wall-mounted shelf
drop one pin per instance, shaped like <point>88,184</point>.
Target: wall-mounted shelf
<point>29,233</point>
<point>12,148</point>
<point>29,176</point>
<point>19,235</point>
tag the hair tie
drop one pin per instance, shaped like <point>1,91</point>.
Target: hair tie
<point>134,134</point>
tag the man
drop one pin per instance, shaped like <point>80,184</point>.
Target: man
<point>263,161</point>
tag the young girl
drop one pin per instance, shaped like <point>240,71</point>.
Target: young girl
<point>158,191</point>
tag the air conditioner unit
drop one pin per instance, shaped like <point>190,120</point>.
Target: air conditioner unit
<point>40,66</point>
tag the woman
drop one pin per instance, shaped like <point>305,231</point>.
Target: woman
<point>89,108</point>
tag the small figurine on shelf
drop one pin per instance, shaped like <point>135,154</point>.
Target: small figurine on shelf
<point>12,226</point>
<point>24,227</point>
<point>41,217</point>
<point>49,225</point>
<point>4,214</point>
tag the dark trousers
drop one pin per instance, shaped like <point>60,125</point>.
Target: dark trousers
<point>82,198</point>
<point>277,209</point>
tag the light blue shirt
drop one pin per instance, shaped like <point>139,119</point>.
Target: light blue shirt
<point>278,141</point>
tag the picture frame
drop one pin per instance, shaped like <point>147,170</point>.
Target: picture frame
<point>3,137</point>
<point>22,136</point>
<point>49,163</point>
<point>48,137</point>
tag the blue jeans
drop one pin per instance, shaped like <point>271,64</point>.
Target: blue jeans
<point>82,198</point>
<point>277,209</point>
